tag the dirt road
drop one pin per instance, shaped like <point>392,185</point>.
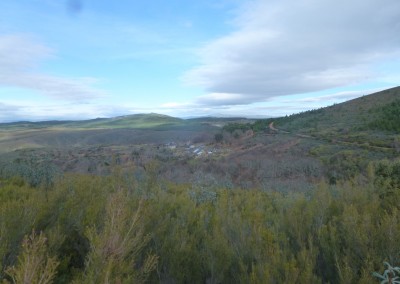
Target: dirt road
<point>271,126</point>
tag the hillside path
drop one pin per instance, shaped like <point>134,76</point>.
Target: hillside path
<point>272,127</point>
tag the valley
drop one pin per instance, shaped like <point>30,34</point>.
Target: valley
<point>308,198</point>
<point>280,154</point>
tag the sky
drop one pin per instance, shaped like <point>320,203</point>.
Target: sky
<point>83,59</point>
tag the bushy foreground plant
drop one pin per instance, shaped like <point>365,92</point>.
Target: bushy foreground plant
<point>34,264</point>
<point>116,244</point>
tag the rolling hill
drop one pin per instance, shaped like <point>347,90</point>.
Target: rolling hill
<point>137,121</point>
<point>372,119</point>
<point>356,114</point>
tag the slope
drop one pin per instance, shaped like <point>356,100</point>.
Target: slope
<point>370,119</point>
<point>353,114</point>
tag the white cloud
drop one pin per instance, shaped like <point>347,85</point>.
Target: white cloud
<point>29,110</point>
<point>338,97</point>
<point>20,57</point>
<point>7,112</point>
<point>220,99</point>
<point>290,47</point>
<point>21,52</point>
<point>175,105</point>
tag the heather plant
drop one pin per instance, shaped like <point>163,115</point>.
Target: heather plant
<point>115,245</point>
<point>34,263</point>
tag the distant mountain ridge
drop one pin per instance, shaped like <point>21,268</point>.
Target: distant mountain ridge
<point>134,121</point>
<point>127,121</point>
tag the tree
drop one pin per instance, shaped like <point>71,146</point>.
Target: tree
<point>218,137</point>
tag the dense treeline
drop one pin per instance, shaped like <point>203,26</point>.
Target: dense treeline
<point>306,119</point>
<point>115,229</point>
<point>259,125</point>
<point>387,117</point>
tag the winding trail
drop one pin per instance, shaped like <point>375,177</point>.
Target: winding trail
<point>272,127</point>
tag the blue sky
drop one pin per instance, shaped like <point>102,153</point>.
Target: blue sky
<point>79,59</point>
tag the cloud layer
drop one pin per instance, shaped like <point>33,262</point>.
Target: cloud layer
<point>289,47</point>
<point>20,57</point>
